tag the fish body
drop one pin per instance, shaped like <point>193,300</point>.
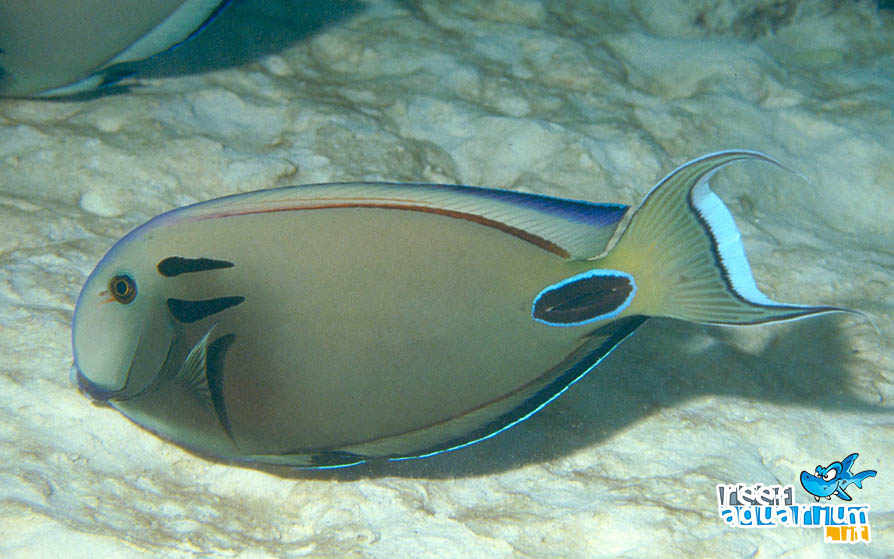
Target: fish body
<point>50,48</point>
<point>834,479</point>
<point>328,325</point>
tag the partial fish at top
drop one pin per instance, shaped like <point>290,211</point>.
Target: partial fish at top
<point>328,325</point>
<point>61,47</point>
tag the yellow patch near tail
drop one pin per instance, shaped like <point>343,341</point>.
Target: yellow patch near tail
<point>683,249</point>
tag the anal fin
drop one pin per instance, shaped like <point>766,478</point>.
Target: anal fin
<point>499,415</point>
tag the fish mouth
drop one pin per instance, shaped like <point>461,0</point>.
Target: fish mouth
<point>816,486</point>
<point>130,389</point>
<point>87,388</point>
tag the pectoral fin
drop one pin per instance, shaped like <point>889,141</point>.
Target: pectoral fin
<point>193,373</point>
<point>202,375</point>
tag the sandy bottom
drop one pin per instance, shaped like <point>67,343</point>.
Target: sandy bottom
<point>569,98</point>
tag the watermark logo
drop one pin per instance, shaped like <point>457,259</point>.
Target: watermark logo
<point>770,506</point>
<point>833,479</point>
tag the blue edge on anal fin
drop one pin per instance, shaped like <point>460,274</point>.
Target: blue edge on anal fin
<point>615,332</point>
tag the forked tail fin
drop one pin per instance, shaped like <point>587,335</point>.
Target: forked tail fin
<point>683,249</point>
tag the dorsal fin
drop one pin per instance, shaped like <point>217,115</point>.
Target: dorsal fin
<point>847,463</point>
<point>570,228</point>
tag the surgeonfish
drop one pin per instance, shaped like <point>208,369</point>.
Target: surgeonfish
<point>333,324</point>
<point>51,47</point>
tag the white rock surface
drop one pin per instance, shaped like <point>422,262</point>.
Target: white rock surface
<point>573,98</point>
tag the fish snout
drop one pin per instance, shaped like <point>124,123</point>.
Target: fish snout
<point>87,388</point>
<point>807,478</point>
<point>814,485</point>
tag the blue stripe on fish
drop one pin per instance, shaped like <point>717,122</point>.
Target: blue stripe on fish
<point>619,331</point>
<point>716,218</point>
<point>211,17</point>
<point>578,211</point>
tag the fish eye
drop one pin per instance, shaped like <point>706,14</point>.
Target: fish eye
<point>830,475</point>
<point>123,288</point>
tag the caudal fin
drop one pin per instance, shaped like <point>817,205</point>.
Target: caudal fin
<point>685,253</point>
<point>858,479</point>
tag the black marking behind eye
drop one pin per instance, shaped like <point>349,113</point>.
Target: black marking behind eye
<point>176,265</point>
<point>214,367</point>
<point>193,311</point>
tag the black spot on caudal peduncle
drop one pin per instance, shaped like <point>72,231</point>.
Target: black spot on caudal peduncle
<point>583,299</point>
<point>176,265</point>
<point>214,369</point>
<point>193,311</point>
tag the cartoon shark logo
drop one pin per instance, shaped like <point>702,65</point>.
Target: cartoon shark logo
<point>834,478</point>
